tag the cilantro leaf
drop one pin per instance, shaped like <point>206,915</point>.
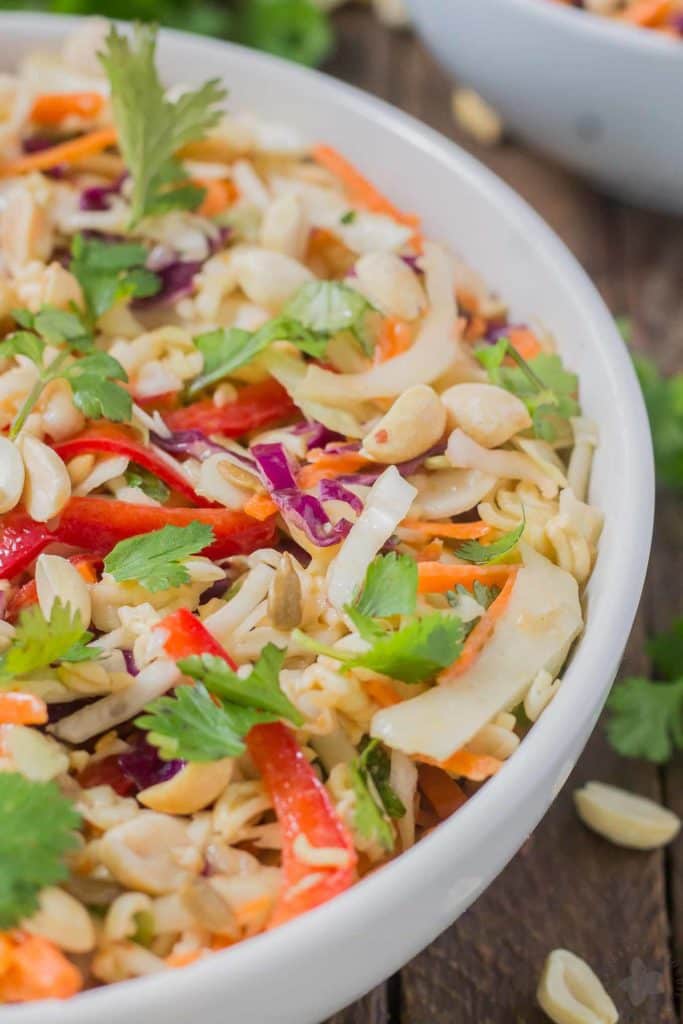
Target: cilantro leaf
<point>328,307</point>
<point>376,761</point>
<point>666,651</point>
<point>664,401</point>
<point>58,327</point>
<point>368,816</point>
<point>38,642</point>
<point>155,559</point>
<point>542,383</point>
<point>296,29</point>
<point>390,587</point>
<point>190,726</point>
<point>226,349</point>
<point>480,554</point>
<point>413,654</point>
<point>148,483</point>
<point>38,830</point>
<point>646,718</point>
<point>110,271</point>
<point>23,343</point>
<point>261,689</point>
<point>483,594</point>
<point>95,392</point>
<point>152,128</point>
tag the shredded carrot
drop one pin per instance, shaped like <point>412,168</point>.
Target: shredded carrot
<point>245,912</point>
<point>481,633</point>
<point>647,13</point>
<point>394,337</point>
<point>220,194</point>
<point>475,767</point>
<point>36,969</point>
<point>437,578</point>
<point>525,342</point>
<point>22,709</point>
<point>475,328</point>
<point>184,959</point>
<point>431,552</point>
<point>442,792</point>
<point>54,107</point>
<point>260,506</point>
<point>456,531</point>
<point>361,190</point>
<point>381,692</point>
<point>64,153</point>
<point>328,466</point>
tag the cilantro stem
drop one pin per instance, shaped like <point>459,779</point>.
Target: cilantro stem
<point>36,391</point>
<point>525,368</point>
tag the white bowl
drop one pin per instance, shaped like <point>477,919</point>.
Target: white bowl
<point>308,969</point>
<point>602,97</point>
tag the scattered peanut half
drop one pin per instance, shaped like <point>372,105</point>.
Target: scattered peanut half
<point>625,818</point>
<point>571,993</point>
<point>476,117</point>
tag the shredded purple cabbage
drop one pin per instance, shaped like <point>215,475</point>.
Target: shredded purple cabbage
<point>332,490</point>
<point>39,143</point>
<point>368,478</point>
<point>318,434</point>
<point>217,589</point>
<point>144,767</point>
<point>495,333</point>
<point>63,708</point>
<point>177,280</point>
<point>186,442</point>
<point>304,511</point>
<point>96,198</point>
<point>131,667</point>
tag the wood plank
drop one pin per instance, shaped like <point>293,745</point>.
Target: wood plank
<point>567,887</point>
<point>372,1009</point>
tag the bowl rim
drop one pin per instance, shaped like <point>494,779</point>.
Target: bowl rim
<point>482,815</point>
<point>588,23</point>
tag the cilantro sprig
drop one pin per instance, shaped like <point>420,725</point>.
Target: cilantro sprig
<point>109,272</point>
<point>664,401</point>
<point>209,720</point>
<point>542,383</point>
<point>328,307</point>
<point>148,483</point>
<point>376,801</point>
<point>151,128</point>
<point>646,716</point>
<point>38,830</point>
<point>39,642</point>
<point>480,554</point>
<point>227,348</point>
<point>416,652</point>
<point>155,559</point>
<point>93,377</point>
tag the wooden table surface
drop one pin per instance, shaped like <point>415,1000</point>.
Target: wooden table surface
<point>622,911</point>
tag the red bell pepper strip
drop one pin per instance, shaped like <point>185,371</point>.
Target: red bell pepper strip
<point>108,437</point>
<point>257,405</point>
<point>303,808</point>
<point>188,636</point>
<point>301,803</point>
<point>98,524</point>
<point>21,540</point>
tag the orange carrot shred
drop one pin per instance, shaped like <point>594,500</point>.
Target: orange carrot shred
<point>37,970</point>
<point>481,633</point>
<point>437,578</point>
<point>525,342</point>
<point>647,13</point>
<point>456,531</point>
<point>475,767</point>
<point>394,337</point>
<point>360,189</point>
<point>220,194</point>
<point>260,506</point>
<point>327,466</point>
<point>22,709</point>
<point>381,692</point>
<point>52,108</point>
<point>64,153</point>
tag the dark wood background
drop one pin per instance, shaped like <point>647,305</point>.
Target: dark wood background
<point>622,911</point>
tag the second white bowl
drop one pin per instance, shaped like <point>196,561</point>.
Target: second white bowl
<point>602,97</point>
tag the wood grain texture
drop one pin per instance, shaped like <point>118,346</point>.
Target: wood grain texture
<point>622,911</point>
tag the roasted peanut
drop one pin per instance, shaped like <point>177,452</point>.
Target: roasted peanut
<point>284,595</point>
<point>58,580</point>
<point>47,487</point>
<point>12,475</point>
<point>571,993</point>
<point>624,818</point>
<point>63,920</point>
<point>415,422</point>
<point>489,414</point>
<point>195,786</point>
<point>391,285</point>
